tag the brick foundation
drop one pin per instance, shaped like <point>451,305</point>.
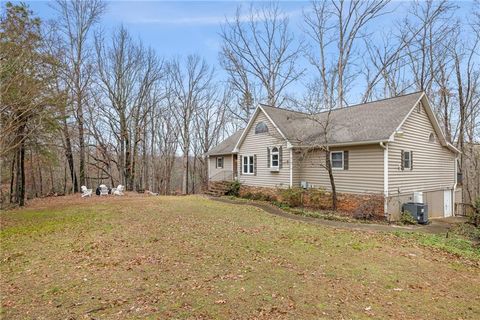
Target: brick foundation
<point>354,205</point>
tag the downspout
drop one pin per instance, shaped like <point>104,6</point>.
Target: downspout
<point>291,167</point>
<point>454,185</point>
<point>385,179</point>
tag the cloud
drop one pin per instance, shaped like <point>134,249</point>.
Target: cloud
<point>201,20</point>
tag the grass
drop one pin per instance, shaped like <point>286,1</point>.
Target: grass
<point>454,243</point>
<point>193,258</point>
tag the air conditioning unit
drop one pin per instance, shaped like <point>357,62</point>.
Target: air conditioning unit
<point>419,211</point>
<point>304,184</point>
<point>418,197</point>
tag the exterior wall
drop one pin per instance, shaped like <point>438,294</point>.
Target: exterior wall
<point>364,174</point>
<point>297,174</point>
<point>434,200</point>
<point>433,167</point>
<point>256,144</point>
<point>433,164</point>
<point>218,174</point>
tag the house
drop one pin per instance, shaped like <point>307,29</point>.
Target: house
<point>393,148</point>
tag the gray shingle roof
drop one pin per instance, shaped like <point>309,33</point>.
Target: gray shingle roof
<point>373,121</point>
<point>368,122</point>
<point>227,145</point>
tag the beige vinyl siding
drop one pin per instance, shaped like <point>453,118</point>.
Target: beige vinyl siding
<point>297,178</point>
<point>433,164</point>
<point>256,144</point>
<point>364,175</point>
<point>217,174</point>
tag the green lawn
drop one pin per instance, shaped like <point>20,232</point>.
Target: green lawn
<point>189,257</point>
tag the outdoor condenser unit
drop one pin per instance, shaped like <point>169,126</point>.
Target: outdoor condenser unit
<point>418,210</point>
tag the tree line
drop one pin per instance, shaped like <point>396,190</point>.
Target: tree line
<point>82,107</point>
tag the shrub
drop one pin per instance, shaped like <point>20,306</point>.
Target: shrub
<point>234,188</point>
<point>317,197</point>
<point>293,197</point>
<point>365,211</point>
<point>407,218</point>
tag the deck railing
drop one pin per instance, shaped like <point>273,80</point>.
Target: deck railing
<point>224,175</point>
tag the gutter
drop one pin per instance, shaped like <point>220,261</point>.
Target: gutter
<point>346,144</point>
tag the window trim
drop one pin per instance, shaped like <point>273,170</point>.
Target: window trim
<point>276,153</point>
<point>219,158</point>
<point>252,157</point>
<point>343,160</point>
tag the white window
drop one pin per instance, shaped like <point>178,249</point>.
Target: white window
<point>248,165</point>
<point>219,162</point>
<point>275,158</point>
<point>407,159</point>
<point>336,159</point>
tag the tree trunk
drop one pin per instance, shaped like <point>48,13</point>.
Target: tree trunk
<point>12,178</point>
<point>332,180</point>
<point>69,153</point>
<point>81,143</point>
<point>20,190</point>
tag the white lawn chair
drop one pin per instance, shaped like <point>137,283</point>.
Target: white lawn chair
<point>86,192</point>
<point>103,190</point>
<point>118,191</point>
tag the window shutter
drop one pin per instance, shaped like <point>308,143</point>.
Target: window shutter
<point>345,160</point>
<point>216,163</point>
<point>280,158</point>
<point>411,160</point>
<point>254,164</point>
<point>401,161</point>
<point>268,157</point>
<point>241,164</point>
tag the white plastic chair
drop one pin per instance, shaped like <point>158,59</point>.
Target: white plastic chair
<point>118,191</point>
<point>103,190</point>
<point>86,192</point>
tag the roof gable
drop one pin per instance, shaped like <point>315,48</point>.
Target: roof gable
<point>258,110</point>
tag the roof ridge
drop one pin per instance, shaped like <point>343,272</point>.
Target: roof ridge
<point>337,109</point>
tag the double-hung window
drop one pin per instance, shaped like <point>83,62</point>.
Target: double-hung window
<point>219,162</point>
<point>248,165</point>
<point>275,158</point>
<point>336,159</point>
<point>407,160</point>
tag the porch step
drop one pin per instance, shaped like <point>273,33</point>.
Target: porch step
<point>218,188</point>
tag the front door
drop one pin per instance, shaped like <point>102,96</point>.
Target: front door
<point>447,203</point>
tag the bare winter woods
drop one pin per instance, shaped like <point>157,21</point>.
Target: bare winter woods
<point>81,105</point>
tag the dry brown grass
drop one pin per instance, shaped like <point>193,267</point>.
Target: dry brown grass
<point>192,258</point>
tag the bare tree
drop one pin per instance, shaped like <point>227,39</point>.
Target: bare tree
<point>335,28</point>
<point>76,19</point>
<point>259,50</point>
<point>188,88</point>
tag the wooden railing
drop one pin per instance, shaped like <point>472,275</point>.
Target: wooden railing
<point>224,175</point>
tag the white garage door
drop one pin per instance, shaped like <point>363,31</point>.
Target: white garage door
<point>447,203</point>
